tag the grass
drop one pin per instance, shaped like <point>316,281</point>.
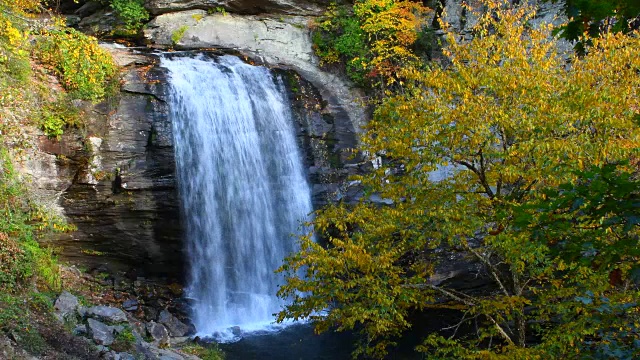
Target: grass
<point>29,273</point>
<point>205,352</point>
<point>16,320</point>
<point>21,257</point>
<point>177,35</point>
<point>124,341</point>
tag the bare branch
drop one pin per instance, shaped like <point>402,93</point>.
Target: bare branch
<point>491,268</point>
<point>467,302</point>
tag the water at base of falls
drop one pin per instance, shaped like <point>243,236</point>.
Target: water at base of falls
<point>242,187</point>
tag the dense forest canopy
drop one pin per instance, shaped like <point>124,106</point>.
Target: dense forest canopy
<point>539,151</point>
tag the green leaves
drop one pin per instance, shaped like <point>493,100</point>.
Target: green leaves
<point>594,218</point>
<point>373,39</point>
<point>507,158</point>
<point>590,18</point>
<point>56,117</point>
<point>83,67</point>
<point>131,12</point>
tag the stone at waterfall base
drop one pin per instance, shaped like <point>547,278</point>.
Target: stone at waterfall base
<point>176,327</point>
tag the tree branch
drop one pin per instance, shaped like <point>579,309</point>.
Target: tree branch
<point>491,269</point>
<point>468,302</point>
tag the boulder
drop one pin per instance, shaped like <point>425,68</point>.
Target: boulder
<point>65,306</point>
<point>176,327</point>
<point>273,39</point>
<point>112,355</point>
<point>159,333</point>
<point>130,305</point>
<point>150,313</point>
<point>106,313</point>
<point>101,333</point>
<point>101,22</point>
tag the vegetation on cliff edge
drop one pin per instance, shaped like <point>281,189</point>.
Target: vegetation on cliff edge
<point>29,273</point>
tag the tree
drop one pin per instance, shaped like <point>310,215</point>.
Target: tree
<point>374,39</point>
<point>590,18</point>
<point>508,119</point>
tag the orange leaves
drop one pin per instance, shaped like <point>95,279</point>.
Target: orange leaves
<point>375,44</point>
<point>392,28</point>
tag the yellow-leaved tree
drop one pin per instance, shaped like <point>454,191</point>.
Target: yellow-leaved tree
<point>374,38</point>
<point>475,152</point>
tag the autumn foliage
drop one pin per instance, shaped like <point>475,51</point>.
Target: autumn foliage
<point>83,67</point>
<point>374,39</point>
<point>504,158</point>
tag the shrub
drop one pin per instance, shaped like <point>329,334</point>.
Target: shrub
<point>12,261</point>
<point>371,41</point>
<point>15,318</point>
<point>56,116</point>
<point>14,62</point>
<point>83,67</point>
<point>131,12</point>
<point>124,341</point>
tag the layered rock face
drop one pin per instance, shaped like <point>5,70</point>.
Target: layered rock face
<point>285,43</point>
<point>120,189</point>
<point>122,196</point>
<point>288,7</point>
<point>116,180</point>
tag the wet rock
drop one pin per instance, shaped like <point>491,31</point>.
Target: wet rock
<point>65,306</point>
<point>236,331</point>
<point>175,289</point>
<point>175,326</point>
<point>182,308</point>
<point>106,313</point>
<point>101,333</point>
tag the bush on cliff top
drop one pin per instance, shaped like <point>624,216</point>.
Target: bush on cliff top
<point>83,67</point>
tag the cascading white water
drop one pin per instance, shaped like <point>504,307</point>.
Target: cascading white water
<point>242,187</point>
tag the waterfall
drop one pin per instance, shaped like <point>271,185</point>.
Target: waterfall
<point>242,187</point>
